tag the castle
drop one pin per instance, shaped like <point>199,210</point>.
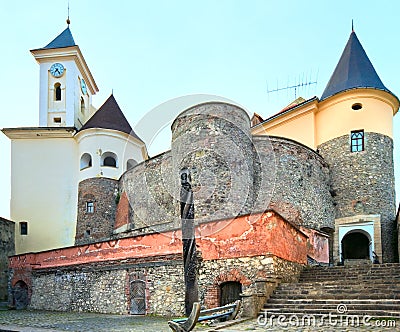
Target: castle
<point>100,218</point>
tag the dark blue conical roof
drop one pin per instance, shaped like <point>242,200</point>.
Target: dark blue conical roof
<point>64,39</point>
<point>354,70</point>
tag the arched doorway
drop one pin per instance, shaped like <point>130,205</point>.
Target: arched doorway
<point>230,292</point>
<point>356,245</point>
<point>20,295</point>
<point>138,297</point>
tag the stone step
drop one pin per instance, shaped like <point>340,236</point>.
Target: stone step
<point>334,301</point>
<point>372,290</point>
<point>332,284</point>
<point>338,290</point>
<point>344,296</point>
<point>352,275</point>
<point>389,315</point>
<point>306,306</point>
<point>393,274</point>
<point>334,311</point>
<point>351,279</point>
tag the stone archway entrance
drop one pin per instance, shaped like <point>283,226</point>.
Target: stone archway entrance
<point>356,245</point>
<point>20,291</point>
<point>230,292</point>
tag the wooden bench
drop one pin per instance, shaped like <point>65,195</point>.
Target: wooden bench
<point>227,312</point>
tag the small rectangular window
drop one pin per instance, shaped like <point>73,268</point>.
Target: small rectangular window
<point>89,207</point>
<point>357,141</point>
<point>23,228</point>
<point>57,120</point>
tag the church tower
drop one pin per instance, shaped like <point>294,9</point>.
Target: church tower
<point>66,83</point>
<point>354,131</point>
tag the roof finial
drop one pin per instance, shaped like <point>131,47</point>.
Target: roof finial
<point>112,92</point>
<point>68,20</point>
<point>352,26</point>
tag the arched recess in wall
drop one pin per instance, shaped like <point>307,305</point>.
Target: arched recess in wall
<point>86,161</point>
<point>109,159</point>
<point>131,163</point>
<point>57,91</point>
<point>20,295</point>
<point>82,105</point>
<point>138,297</point>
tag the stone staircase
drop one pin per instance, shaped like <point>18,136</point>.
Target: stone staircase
<point>372,290</point>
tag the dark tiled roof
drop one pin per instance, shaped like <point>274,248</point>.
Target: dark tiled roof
<point>354,70</point>
<point>110,116</point>
<point>64,39</point>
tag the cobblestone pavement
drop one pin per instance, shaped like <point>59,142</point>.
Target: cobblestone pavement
<point>15,320</point>
<point>44,321</point>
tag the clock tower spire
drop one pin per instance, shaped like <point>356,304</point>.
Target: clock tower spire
<point>66,83</point>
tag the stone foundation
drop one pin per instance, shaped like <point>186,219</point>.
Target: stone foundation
<point>7,248</point>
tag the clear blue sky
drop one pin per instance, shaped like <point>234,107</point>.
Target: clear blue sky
<point>151,51</point>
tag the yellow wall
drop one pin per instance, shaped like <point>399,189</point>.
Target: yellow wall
<point>297,125</point>
<point>44,192</point>
<point>335,116</point>
<point>316,122</point>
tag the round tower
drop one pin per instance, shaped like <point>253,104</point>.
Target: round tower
<point>354,133</point>
<point>107,148</point>
<point>213,141</point>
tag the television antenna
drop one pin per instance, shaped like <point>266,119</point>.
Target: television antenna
<point>302,82</point>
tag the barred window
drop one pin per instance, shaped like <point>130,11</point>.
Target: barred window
<point>89,207</point>
<point>357,140</point>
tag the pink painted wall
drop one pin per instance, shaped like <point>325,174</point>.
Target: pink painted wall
<point>262,234</point>
<point>318,245</point>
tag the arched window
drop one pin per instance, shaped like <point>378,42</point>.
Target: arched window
<point>130,164</point>
<point>82,105</point>
<point>86,161</point>
<point>57,91</point>
<point>109,159</point>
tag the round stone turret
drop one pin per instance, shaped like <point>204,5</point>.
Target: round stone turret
<point>213,141</point>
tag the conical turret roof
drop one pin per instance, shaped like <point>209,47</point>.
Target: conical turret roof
<point>64,39</point>
<point>354,70</point>
<point>110,116</point>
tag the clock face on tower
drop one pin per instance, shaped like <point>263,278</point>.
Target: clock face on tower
<point>57,69</point>
<point>83,86</point>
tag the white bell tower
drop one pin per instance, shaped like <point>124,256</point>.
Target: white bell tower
<point>66,83</point>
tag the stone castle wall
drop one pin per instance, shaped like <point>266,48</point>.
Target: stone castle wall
<point>105,288</point>
<point>152,191</point>
<point>7,248</point>
<point>213,141</point>
<point>363,182</point>
<point>101,276</point>
<point>245,270</point>
<point>294,181</point>
<point>96,226</point>
<point>232,174</point>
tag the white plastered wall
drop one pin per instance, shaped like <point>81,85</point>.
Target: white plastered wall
<point>97,142</point>
<point>44,192</point>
